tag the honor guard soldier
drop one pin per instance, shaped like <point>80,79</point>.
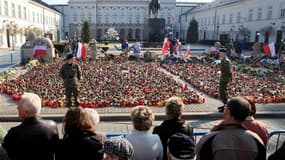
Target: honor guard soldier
<point>71,74</point>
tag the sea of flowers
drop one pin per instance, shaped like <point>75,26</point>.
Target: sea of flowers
<point>105,83</point>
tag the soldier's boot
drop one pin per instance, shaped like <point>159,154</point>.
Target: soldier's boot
<point>68,102</point>
<point>75,95</point>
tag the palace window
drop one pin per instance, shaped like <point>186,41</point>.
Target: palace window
<point>33,15</point>
<point>0,8</point>
<point>250,15</point>
<point>218,19</point>
<point>38,17</point>
<point>138,19</point>
<point>168,20</point>
<point>6,8</point>
<point>282,12</point>
<point>231,18</point>
<point>25,13</point>
<point>19,11</point>
<point>209,20</point>
<point>99,19</point>
<point>130,20</point>
<point>13,10</point>
<point>259,14</point>
<point>269,13</point>
<point>224,19</point>
<point>238,17</point>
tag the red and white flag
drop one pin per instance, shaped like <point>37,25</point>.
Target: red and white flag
<point>40,50</point>
<point>188,51</point>
<point>165,46</point>
<point>269,49</point>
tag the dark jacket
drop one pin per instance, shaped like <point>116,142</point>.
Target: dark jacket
<point>231,142</point>
<point>33,139</point>
<point>168,128</point>
<point>81,145</point>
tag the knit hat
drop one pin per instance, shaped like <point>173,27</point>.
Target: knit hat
<point>119,146</point>
<point>69,56</point>
<point>181,146</point>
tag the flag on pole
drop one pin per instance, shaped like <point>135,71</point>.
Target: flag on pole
<point>40,50</point>
<point>269,49</point>
<point>83,51</point>
<point>79,50</point>
<point>165,46</point>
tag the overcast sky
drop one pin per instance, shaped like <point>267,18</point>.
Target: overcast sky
<point>65,1</point>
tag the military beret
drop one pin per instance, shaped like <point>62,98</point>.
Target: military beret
<point>69,56</point>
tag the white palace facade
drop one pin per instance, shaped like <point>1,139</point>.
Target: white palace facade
<point>251,20</point>
<point>17,17</point>
<point>128,17</point>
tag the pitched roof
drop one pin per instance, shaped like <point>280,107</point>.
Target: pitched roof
<point>46,5</point>
<point>214,4</point>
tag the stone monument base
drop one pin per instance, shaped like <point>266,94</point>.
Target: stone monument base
<point>156,29</point>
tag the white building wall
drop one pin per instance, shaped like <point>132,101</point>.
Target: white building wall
<point>23,14</point>
<point>259,10</point>
<point>124,15</point>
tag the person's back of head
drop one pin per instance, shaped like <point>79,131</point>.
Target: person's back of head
<point>142,118</point>
<point>93,116</point>
<point>180,147</point>
<point>174,107</point>
<point>252,105</point>
<point>238,109</point>
<point>76,120</point>
<point>118,148</point>
<point>29,105</point>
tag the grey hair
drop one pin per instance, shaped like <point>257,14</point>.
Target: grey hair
<point>31,102</point>
<point>93,115</point>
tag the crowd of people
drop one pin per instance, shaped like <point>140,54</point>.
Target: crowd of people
<point>205,77</point>
<point>237,136</point>
<point>103,84</point>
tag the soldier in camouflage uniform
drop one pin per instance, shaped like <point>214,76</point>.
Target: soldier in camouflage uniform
<point>71,73</point>
<point>226,77</point>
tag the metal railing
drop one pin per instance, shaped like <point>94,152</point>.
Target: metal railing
<point>8,60</point>
<point>276,139</point>
<point>197,135</point>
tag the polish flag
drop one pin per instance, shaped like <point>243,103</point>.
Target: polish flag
<point>269,49</point>
<point>165,46</point>
<point>188,51</point>
<point>40,50</point>
<point>83,51</point>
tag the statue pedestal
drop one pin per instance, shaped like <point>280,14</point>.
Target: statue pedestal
<point>156,29</point>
